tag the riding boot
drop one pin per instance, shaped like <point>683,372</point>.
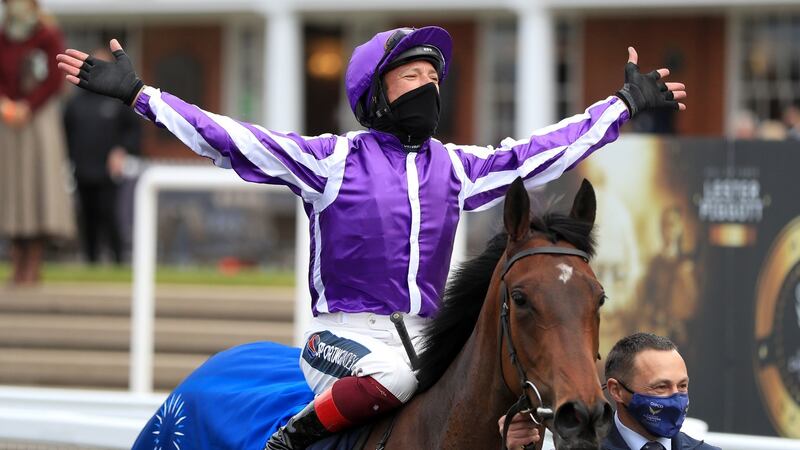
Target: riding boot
<point>301,431</point>
<point>349,401</point>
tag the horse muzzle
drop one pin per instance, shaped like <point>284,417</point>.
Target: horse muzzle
<point>580,427</point>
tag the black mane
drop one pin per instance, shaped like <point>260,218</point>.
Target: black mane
<point>467,289</point>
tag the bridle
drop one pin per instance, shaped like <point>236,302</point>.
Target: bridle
<point>524,406</point>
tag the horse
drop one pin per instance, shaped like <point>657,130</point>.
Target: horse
<point>518,327</point>
<point>471,370</point>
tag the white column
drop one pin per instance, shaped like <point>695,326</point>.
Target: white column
<point>140,372</point>
<point>283,110</point>
<point>535,81</point>
<point>283,71</point>
<point>230,68</point>
<point>733,85</point>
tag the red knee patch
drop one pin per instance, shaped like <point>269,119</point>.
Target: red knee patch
<point>359,399</point>
<point>328,413</point>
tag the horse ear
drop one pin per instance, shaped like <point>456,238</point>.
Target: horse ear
<point>517,211</point>
<point>584,207</point>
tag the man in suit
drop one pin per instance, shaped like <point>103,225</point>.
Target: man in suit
<point>647,379</point>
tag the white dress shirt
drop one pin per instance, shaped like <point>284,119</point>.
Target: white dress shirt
<point>635,440</point>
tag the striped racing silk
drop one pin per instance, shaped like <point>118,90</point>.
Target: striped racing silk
<point>383,221</point>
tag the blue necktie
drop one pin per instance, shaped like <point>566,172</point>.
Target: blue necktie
<point>653,446</point>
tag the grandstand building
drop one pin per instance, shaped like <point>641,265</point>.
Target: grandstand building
<point>518,64</point>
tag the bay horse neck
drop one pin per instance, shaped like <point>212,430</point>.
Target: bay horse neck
<point>461,410</point>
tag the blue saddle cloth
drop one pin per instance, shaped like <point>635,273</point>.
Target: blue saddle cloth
<point>235,400</point>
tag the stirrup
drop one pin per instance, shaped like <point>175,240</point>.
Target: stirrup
<point>301,431</point>
<point>278,441</point>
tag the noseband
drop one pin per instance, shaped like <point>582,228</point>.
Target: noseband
<point>523,405</point>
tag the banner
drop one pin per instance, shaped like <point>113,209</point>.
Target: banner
<point>699,240</point>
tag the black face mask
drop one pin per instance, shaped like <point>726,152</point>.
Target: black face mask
<point>413,116</point>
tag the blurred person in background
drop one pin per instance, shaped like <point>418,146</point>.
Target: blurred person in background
<point>34,203</point>
<point>101,134</point>
<point>383,228</point>
<point>617,264</point>
<point>772,130</point>
<point>647,379</point>
<point>669,291</point>
<point>745,125</point>
<point>791,118</point>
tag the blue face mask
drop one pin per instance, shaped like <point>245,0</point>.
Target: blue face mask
<point>661,416</point>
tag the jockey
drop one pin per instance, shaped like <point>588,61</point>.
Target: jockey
<point>383,203</point>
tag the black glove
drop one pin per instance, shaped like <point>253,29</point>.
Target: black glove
<point>113,79</point>
<point>641,92</point>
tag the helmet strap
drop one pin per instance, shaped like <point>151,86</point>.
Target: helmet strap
<point>374,108</point>
<point>382,103</point>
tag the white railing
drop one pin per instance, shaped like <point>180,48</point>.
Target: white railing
<point>193,178</point>
<point>154,180</point>
<point>113,419</point>
<point>729,441</point>
<point>81,417</point>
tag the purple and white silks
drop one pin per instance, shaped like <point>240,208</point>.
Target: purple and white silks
<point>383,221</point>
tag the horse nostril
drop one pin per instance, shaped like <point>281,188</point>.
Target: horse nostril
<point>570,419</point>
<point>603,418</point>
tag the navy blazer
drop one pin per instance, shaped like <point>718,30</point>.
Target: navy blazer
<point>681,441</point>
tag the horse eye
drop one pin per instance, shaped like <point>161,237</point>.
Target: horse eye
<point>519,298</point>
<point>603,299</point>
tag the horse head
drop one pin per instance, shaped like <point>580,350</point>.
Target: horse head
<point>550,305</point>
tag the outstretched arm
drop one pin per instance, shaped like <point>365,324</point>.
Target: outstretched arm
<point>487,172</point>
<point>256,154</point>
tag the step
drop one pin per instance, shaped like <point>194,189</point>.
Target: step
<point>73,368</point>
<point>218,302</point>
<point>113,333</point>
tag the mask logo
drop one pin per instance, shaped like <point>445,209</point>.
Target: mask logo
<point>655,408</point>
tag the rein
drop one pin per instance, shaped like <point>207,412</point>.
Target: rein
<point>524,405</point>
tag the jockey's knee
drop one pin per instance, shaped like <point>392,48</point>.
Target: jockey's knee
<point>396,377</point>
